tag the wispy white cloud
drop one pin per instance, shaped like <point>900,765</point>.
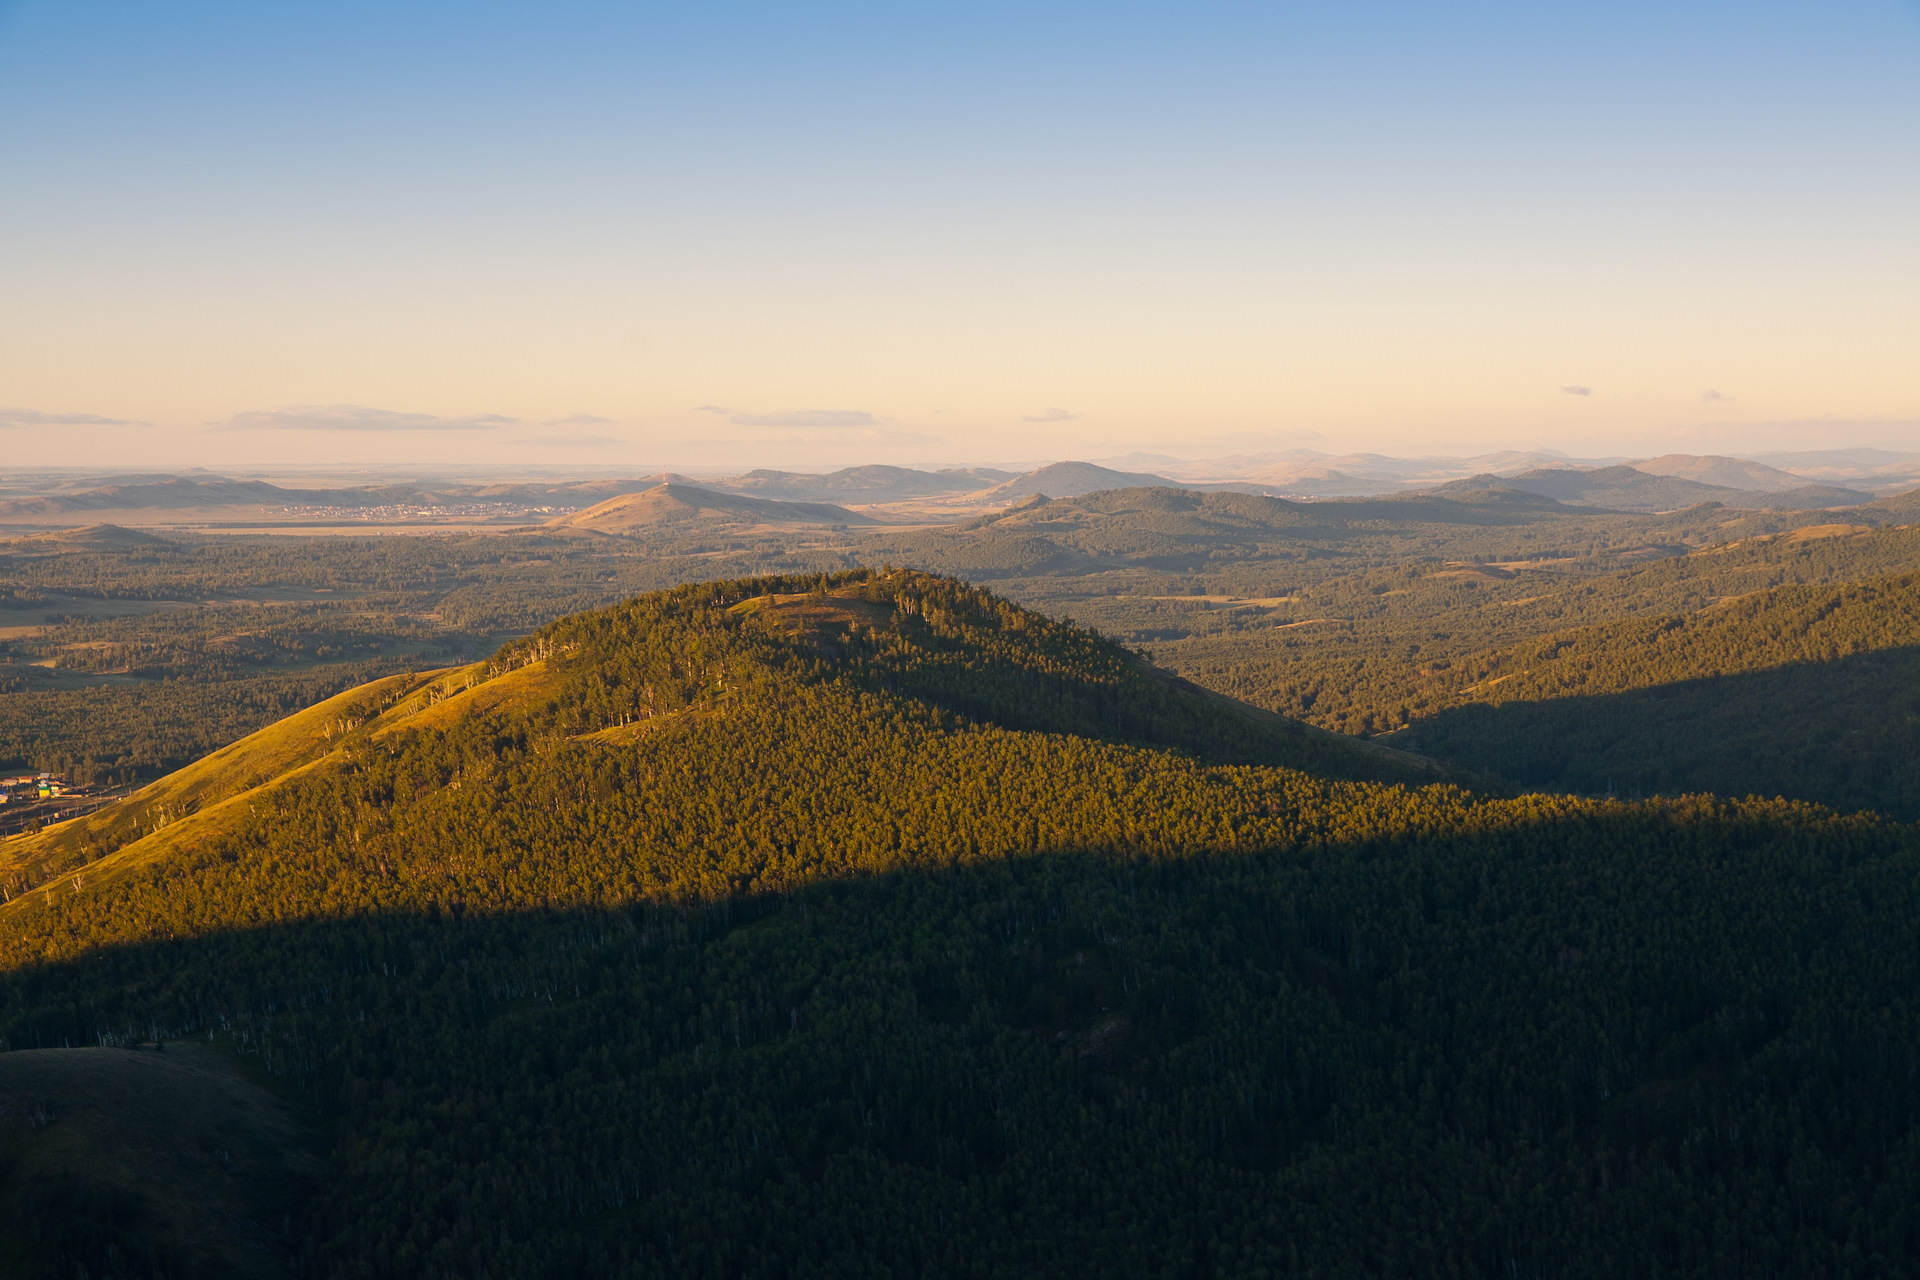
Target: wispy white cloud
<point>1576,391</point>
<point>35,418</point>
<point>1714,397</point>
<point>720,409</point>
<point>356,417</point>
<point>806,418</point>
<point>578,420</point>
<point>1051,415</point>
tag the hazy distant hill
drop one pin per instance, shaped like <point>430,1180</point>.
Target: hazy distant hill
<point>1319,481</point>
<point>1856,467</point>
<point>1172,529</point>
<point>1730,473</point>
<point>1625,488</point>
<point>170,492</point>
<point>100,535</point>
<point>564,493</point>
<point>159,493</point>
<point>163,492</point>
<point>862,484</point>
<point>1073,479</point>
<point>673,503</point>
<point>1656,485</point>
<point>1308,471</point>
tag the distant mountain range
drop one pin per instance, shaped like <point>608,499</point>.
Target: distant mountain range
<point>1307,472</point>
<point>1668,482</point>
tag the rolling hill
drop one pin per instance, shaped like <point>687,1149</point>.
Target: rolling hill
<point>1073,480</point>
<point>675,503</point>
<point>1176,529</point>
<point>100,535</point>
<point>827,924</point>
<point>1728,473</point>
<point>1899,507</point>
<point>1863,468</point>
<point>873,483</point>
<point>1624,488</point>
<point>1811,692</point>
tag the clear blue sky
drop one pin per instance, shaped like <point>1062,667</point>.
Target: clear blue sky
<point>803,233</point>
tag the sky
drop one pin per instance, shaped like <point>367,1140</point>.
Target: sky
<point>918,233</point>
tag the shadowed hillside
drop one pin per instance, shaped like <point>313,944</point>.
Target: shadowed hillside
<point>1843,733</point>
<point>125,1162</point>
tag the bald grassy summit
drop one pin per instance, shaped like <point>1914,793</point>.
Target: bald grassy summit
<point>871,923</point>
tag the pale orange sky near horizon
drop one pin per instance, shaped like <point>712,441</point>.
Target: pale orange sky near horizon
<point>235,240</point>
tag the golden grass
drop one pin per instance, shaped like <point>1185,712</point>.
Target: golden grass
<point>210,796</point>
<point>1813,531</point>
<point>234,768</point>
<point>802,612</point>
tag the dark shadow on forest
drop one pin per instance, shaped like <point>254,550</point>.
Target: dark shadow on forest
<point>1844,733</point>
<point>1031,1054</point>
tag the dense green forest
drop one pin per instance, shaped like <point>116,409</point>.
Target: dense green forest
<point>1813,692</point>
<point>873,924</point>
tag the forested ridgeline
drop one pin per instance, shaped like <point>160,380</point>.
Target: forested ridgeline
<point>1367,652</point>
<point>1844,733</point>
<point>1808,692</point>
<point>1778,667</point>
<point>801,660</point>
<point>809,927</point>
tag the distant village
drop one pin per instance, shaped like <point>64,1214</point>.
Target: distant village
<point>29,801</point>
<point>31,786</point>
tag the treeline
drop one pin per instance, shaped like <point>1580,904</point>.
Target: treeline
<point>1775,667</point>
<point>1808,692</point>
<point>135,732</point>
<point>1369,652</point>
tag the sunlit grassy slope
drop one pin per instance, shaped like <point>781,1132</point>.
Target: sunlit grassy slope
<point>204,799</point>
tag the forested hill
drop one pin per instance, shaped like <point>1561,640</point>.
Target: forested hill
<point>935,650</point>
<point>870,924</point>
